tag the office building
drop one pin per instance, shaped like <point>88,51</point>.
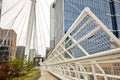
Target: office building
<point>65,12</point>
<point>20,53</point>
<point>33,53</point>
<point>47,51</point>
<point>56,22</point>
<point>117,15</point>
<point>7,44</point>
<point>52,24</point>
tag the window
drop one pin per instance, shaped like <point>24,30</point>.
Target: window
<point>8,42</point>
<point>4,42</point>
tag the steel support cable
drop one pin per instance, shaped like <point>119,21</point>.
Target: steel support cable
<point>24,42</point>
<point>8,32</point>
<point>1,45</point>
<point>47,4</point>
<point>41,45</point>
<point>15,18</point>
<point>42,37</point>
<point>42,27</point>
<point>44,17</point>
<point>25,19</point>
<point>12,25</point>
<point>22,16</point>
<point>38,20</point>
<point>9,23</point>
<point>4,53</point>
<point>13,6</point>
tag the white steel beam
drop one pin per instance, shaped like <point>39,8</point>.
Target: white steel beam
<point>90,13</point>
<point>30,27</point>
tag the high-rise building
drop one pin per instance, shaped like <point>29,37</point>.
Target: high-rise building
<point>52,24</point>
<point>47,51</point>
<point>56,23</point>
<point>116,15</point>
<point>7,44</point>
<point>20,53</point>
<point>33,53</point>
<point>66,12</point>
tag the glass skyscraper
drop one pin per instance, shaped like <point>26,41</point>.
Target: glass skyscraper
<point>105,10</point>
<point>117,15</point>
<point>67,11</point>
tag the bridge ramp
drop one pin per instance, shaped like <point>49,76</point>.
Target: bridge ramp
<point>45,75</point>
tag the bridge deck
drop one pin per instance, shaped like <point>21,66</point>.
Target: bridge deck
<point>47,76</point>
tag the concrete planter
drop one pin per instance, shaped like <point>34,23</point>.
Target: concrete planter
<point>36,77</point>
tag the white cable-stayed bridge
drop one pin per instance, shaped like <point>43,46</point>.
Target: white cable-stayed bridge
<point>98,49</point>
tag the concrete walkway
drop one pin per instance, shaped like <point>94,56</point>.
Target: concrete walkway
<point>47,76</point>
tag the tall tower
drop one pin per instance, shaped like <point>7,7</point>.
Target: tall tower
<point>30,27</point>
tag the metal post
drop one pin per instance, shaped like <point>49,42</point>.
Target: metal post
<point>30,27</point>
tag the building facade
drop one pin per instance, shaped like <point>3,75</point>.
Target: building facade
<point>117,15</point>
<point>66,12</point>
<point>56,24</point>
<point>33,53</point>
<point>52,24</point>
<point>20,53</point>
<point>47,51</point>
<point>7,44</point>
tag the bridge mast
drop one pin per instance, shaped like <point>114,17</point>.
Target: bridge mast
<point>30,27</point>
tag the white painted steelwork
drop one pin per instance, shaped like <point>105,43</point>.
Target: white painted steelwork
<point>30,27</point>
<point>88,51</point>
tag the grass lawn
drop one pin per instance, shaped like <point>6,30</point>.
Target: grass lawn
<point>31,73</point>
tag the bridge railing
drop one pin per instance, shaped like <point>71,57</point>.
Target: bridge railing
<point>88,51</point>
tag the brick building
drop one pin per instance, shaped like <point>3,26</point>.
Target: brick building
<point>7,44</point>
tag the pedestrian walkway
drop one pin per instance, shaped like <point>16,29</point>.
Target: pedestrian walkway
<point>47,76</point>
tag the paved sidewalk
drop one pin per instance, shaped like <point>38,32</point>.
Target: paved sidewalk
<point>47,76</point>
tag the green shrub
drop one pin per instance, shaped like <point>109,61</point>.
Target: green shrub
<point>30,73</point>
<point>20,67</point>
